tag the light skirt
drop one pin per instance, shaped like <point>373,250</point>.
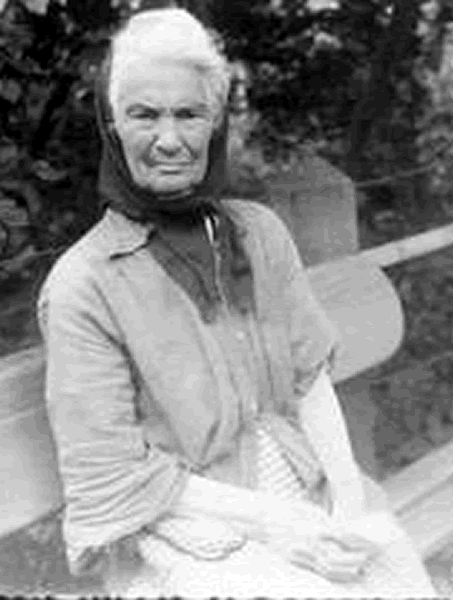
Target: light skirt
<point>254,571</point>
<point>257,570</point>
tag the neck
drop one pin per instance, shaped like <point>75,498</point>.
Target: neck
<point>175,195</point>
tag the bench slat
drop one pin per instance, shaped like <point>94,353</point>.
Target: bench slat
<point>422,497</point>
<point>28,470</point>
<point>365,307</point>
<point>421,478</point>
<point>410,247</point>
<point>431,525</point>
<point>21,381</point>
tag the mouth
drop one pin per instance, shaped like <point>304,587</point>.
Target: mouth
<point>175,165</point>
<point>169,168</point>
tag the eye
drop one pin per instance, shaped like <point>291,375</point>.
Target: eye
<point>186,113</point>
<point>142,113</point>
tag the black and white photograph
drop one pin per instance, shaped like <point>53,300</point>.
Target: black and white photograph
<point>226,298</point>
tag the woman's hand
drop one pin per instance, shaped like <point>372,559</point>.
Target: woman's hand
<point>306,536</point>
<point>336,552</point>
<point>342,558</point>
<point>349,549</point>
<point>339,556</point>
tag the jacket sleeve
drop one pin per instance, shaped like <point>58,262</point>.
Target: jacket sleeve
<point>114,482</point>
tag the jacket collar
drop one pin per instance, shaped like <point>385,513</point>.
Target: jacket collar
<point>123,236</point>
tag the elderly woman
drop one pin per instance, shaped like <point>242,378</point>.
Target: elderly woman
<point>201,445</point>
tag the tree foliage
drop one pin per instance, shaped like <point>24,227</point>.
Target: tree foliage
<point>344,74</point>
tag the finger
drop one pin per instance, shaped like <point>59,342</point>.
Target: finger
<point>346,560</point>
<point>332,574</point>
<point>338,572</point>
<point>329,558</point>
<point>342,576</point>
<point>353,542</point>
<point>335,573</point>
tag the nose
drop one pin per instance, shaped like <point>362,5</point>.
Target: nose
<point>168,141</point>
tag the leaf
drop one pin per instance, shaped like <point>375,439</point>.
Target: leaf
<point>10,90</point>
<point>9,155</point>
<point>45,171</point>
<point>20,261</point>
<point>13,215</point>
<point>27,191</point>
<point>318,5</point>
<point>36,6</point>
<point>35,100</point>
<point>326,40</point>
<point>4,238</point>
<point>88,69</point>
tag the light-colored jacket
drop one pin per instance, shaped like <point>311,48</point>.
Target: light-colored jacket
<point>141,392</point>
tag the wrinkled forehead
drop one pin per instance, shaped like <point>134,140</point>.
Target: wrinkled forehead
<point>160,81</point>
<point>168,52</point>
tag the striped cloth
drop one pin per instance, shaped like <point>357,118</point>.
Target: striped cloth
<point>275,473</point>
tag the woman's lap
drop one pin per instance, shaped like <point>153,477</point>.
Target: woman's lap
<point>256,571</point>
<point>252,571</point>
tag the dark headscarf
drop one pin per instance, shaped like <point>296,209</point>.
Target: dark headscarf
<point>119,191</point>
<point>180,243</point>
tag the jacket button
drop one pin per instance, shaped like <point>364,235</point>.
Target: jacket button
<point>240,335</point>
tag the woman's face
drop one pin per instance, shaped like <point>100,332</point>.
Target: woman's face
<point>165,122</point>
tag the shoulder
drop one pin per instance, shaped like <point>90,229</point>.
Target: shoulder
<point>72,294</point>
<point>77,268</point>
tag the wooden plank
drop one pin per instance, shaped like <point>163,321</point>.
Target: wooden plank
<point>28,470</point>
<point>430,523</point>
<point>418,480</point>
<point>28,463</point>
<point>422,497</point>
<point>317,203</point>
<point>21,381</point>
<point>410,247</point>
<point>364,306</point>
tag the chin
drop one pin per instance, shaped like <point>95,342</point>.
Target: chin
<point>173,193</point>
<point>177,186</point>
<point>176,190</point>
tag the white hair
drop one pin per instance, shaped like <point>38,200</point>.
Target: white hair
<point>170,34</point>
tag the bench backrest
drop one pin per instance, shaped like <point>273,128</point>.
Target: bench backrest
<point>318,204</point>
<point>357,296</point>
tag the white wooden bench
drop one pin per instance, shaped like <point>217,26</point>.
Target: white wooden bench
<point>359,299</point>
<point>28,461</point>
